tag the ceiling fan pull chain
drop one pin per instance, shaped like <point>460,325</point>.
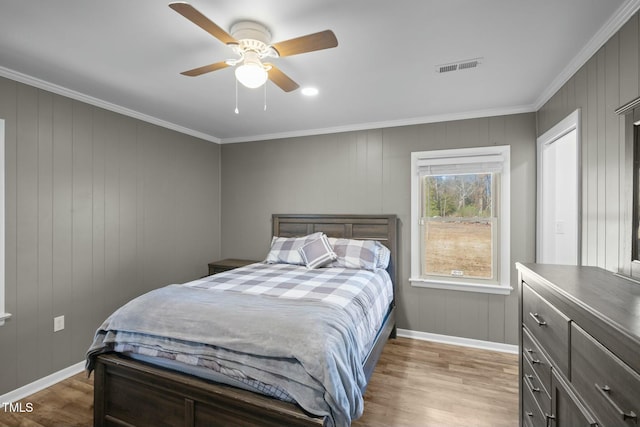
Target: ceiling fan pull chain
<point>237,111</point>
<point>265,97</point>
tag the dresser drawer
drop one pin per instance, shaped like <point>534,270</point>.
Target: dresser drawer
<point>606,383</point>
<point>548,325</point>
<point>537,359</point>
<point>531,382</point>
<point>567,409</point>
<point>532,415</point>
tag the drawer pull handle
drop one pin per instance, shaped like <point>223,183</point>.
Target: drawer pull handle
<point>530,358</point>
<point>528,379</point>
<point>529,350</point>
<point>536,317</point>
<point>549,419</point>
<point>604,391</point>
<point>529,414</point>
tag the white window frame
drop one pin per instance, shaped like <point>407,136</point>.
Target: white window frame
<point>3,315</point>
<point>503,284</point>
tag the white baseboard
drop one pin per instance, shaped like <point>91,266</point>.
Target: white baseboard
<point>42,383</point>
<point>463,342</point>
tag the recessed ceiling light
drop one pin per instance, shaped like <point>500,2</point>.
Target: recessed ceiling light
<point>309,91</point>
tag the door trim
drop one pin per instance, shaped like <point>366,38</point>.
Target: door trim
<point>565,126</point>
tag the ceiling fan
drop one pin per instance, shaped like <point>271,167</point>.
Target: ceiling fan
<point>251,41</point>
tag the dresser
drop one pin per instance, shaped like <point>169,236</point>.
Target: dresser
<point>580,344</point>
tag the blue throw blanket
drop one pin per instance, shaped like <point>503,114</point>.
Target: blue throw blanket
<point>305,347</point>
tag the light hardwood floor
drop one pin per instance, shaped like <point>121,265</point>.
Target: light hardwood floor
<point>416,383</point>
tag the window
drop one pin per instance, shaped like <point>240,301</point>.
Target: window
<point>3,315</point>
<point>460,219</point>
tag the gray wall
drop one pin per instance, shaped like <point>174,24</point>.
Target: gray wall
<point>608,80</point>
<point>369,172</point>
<point>99,208</point>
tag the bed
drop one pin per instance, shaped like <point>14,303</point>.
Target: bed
<point>132,391</point>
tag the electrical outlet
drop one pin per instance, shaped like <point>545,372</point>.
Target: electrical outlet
<point>58,323</point>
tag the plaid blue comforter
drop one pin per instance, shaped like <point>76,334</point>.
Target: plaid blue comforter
<point>365,293</point>
<point>304,333</point>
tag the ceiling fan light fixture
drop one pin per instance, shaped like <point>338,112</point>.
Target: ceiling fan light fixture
<point>251,73</point>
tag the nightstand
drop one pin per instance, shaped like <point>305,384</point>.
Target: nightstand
<point>216,267</point>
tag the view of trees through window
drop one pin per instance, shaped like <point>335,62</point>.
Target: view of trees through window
<point>458,224</point>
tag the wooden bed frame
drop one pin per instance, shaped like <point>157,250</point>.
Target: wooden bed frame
<point>133,393</point>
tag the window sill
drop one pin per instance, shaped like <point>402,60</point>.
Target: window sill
<point>459,286</point>
<point>3,317</point>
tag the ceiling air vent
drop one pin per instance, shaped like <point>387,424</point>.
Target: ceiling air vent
<point>459,65</point>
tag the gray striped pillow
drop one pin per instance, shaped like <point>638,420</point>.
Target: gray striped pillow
<point>317,253</point>
<point>284,250</point>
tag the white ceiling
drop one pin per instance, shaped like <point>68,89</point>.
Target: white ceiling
<point>127,55</point>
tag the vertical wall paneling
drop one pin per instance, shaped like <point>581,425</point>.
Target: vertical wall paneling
<point>100,138</point>
<point>88,193</point>
<point>62,227</point>
<point>27,314</point>
<point>581,99</point>
<point>523,209</point>
<point>602,157</point>
<point>612,150</point>
<point>3,312</point>
<point>612,79</point>
<point>629,90</point>
<point>9,331</point>
<point>197,202</point>
<point>369,172</point>
<point>128,225</point>
<point>591,145</point>
<point>629,61</point>
<point>80,321</point>
<point>112,271</point>
<point>45,232</point>
<point>466,315</point>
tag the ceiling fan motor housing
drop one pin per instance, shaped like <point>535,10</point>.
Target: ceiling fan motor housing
<point>251,31</point>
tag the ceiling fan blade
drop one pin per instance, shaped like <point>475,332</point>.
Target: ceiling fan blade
<point>316,41</point>
<point>206,69</point>
<point>193,15</point>
<point>281,80</point>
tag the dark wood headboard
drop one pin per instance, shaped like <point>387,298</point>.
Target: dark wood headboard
<point>383,228</point>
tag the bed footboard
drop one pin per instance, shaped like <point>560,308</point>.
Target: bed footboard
<point>132,393</point>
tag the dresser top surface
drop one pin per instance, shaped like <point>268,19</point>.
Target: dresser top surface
<point>599,291</point>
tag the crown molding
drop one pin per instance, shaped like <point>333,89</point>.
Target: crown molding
<point>69,93</point>
<point>612,26</point>
<point>387,124</point>
<point>78,96</point>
